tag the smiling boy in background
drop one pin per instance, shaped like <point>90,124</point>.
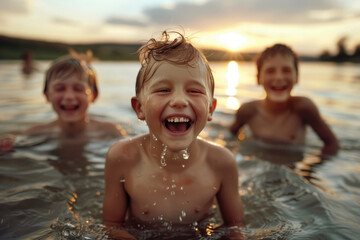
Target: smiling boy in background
<point>70,87</point>
<point>280,117</point>
<point>170,176</point>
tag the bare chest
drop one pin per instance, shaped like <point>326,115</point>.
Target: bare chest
<point>283,128</point>
<point>181,197</point>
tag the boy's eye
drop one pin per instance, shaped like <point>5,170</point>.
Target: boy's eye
<point>195,91</point>
<point>79,88</point>
<point>270,70</point>
<point>162,90</point>
<point>59,88</point>
<point>286,69</point>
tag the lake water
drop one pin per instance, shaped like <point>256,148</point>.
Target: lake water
<point>287,193</point>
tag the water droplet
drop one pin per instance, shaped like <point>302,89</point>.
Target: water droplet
<point>185,154</point>
<point>164,179</point>
<point>173,186</point>
<point>181,188</point>
<point>122,180</point>
<point>183,165</point>
<point>167,188</point>
<point>154,204</point>
<point>172,193</point>
<point>154,137</point>
<point>155,190</point>
<point>180,218</point>
<point>162,157</point>
<point>183,213</point>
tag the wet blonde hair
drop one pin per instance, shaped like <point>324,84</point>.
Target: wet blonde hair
<point>178,51</point>
<point>73,63</point>
<point>274,50</point>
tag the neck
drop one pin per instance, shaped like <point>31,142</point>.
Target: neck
<point>277,107</point>
<point>170,159</point>
<point>73,129</point>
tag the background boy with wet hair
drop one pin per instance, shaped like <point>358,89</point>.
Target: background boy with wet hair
<point>70,86</point>
<point>170,176</point>
<point>281,117</point>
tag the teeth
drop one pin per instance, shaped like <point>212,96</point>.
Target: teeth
<point>178,119</point>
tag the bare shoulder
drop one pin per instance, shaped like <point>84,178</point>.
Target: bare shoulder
<point>107,127</point>
<point>250,108</point>
<point>304,106</point>
<point>220,158</point>
<point>41,129</point>
<point>125,151</point>
<point>302,103</point>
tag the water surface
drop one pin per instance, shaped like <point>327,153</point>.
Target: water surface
<point>287,193</point>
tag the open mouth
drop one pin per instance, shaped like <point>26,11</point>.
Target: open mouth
<point>278,88</point>
<point>69,107</point>
<point>178,124</point>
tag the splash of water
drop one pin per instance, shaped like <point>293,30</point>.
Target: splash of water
<point>185,154</point>
<point>162,157</point>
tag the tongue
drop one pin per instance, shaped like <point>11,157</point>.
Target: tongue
<point>177,127</point>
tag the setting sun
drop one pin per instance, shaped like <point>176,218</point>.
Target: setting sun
<point>232,41</point>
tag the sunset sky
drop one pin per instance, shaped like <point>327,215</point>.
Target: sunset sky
<point>309,26</point>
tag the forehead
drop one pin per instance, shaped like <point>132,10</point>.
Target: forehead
<point>69,77</point>
<point>166,69</point>
<point>166,72</point>
<point>279,60</point>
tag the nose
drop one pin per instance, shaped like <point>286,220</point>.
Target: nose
<point>178,99</point>
<point>69,94</point>
<point>279,77</point>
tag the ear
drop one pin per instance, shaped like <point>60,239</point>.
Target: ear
<point>258,79</point>
<point>138,108</point>
<point>94,96</point>
<point>297,78</point>
<point>212,108</point>
<point>47,96</point>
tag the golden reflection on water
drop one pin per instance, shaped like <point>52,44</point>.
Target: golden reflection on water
<point>232,76</point>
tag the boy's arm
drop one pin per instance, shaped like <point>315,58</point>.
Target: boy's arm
<point>115,197</point>
<point>313,118</point>
<point>228,196</point>
<point>242,116</point>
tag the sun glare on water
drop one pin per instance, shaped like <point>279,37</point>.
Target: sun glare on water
<point>232,76</point>
<point>232,41</point>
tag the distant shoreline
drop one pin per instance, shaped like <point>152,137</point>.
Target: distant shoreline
<point>12,48</point>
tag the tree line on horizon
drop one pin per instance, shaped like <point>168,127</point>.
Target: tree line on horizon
<point>13,48</point>
<point>342,54</point>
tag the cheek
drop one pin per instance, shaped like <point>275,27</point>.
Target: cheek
<point>153,106</point>
<point>53,96</point>
<point>201,105</point>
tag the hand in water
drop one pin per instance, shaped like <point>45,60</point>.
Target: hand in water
<point>7,143</point>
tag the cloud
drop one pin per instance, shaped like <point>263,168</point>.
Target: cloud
<point>124,21</point>
<point>64,21</point>
<point>14,6</point>
<point>214,13</point>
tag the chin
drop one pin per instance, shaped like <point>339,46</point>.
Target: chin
<point>279,97</point>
